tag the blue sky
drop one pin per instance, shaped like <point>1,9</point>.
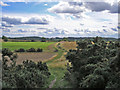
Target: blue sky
<point>30,7</point>
<point>60,19</point>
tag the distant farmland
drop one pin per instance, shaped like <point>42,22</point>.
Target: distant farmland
<point>26,45</point>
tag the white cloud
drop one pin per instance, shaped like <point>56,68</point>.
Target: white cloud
<point>102,6</point>
<point>86,23</point>
<point>92,25</point>
<point>3,4</point>
<point>10,20</point>
<point>36,19</point>
<point>115,8</point>
<point>77,8</point>
<point>5,24</point>
<point>97,6</point>
<point>45,4</point>
<point>65,7</point>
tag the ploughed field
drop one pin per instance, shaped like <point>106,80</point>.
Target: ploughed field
<point>36,57</point>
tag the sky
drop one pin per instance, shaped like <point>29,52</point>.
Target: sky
<point>21,18</point>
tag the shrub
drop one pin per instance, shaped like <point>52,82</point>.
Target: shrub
<point>94,59</point>
<point>39,50</point>
<point>56,50</point>
<point>8,58</point>
<point>32,40</point>
<point>20,50</point>
<point>27,75</point>
<point>31,50</point>
<point>93,81</point>
<point>94,65</point>
<point>6,52</point>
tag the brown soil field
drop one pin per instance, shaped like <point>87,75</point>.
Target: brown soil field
<point>69,45</point>
<point>34,56</point>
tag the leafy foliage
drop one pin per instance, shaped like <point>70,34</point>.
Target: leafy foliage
<point>20,50</point>
<point>39,50</point>
<point>4,38</point>
<point>29,50</point>
<point>27,75</point>
<point>95,64</point>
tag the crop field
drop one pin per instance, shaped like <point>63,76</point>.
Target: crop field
<point>26,45</point>
<point>56,61</point>
<point>68,45</point>
<point>36,57</point>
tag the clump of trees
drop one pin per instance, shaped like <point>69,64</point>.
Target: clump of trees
<point>29,50</point>
<point>27,75</point>
<point>95,64</point>
<point>43,39</point>
<point>4,38</point>
<point>65,39</point>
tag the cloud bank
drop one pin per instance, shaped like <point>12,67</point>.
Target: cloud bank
<point>17,21</point>
<point>66,19</point>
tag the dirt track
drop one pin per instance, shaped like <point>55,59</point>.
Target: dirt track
<point>34,56</point>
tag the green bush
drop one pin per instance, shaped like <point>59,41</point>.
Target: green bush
<point>95,64</point>
<point>20,50</point>
<point>39,50</point>
<point>31,50</point>
<point>27,75</point>
<point>93,81</point>
<point>6,52</point>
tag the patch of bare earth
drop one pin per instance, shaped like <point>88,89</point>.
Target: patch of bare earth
<point>34,56</point>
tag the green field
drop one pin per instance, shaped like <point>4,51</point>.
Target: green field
<point>56,65</point>
<point>26,45</point>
